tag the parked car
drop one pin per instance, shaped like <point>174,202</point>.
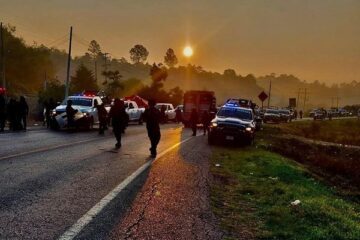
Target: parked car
<point>285,115</point>
<point>319,115</point>
<point>272,115</point>
<point>86,115</point>
<point>232,123</point>
<point>134,111</point>
<point>170,114</point>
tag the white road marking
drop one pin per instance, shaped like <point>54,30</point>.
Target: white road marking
<point>50,148</point>
<point>75,229</point>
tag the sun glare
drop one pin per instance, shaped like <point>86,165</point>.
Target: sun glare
<point>188,51</point>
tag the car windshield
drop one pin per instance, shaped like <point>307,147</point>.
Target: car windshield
<point>272,111</point>
<point>86,102</point>
<point>159,106</point>
<point>235,113</point>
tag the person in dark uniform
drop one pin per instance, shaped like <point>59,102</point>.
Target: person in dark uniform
<point>49,106</point>
<point>152,117</point>
<point>102,114</point>
<point>301,114</point>
<point>23,113</point>
<point>119,118</point>
<point>2,112</point>
<point>70,113</point>
<point>295,114</point>
<point>163,114</point>
<point>11,114</point>
<point>194,120</point>
<point>178,115</point>
<point>206,119</point>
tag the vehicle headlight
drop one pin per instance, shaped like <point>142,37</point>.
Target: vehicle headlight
<point>214,124</point>
<point>53,112</point>
<point>249,129</point>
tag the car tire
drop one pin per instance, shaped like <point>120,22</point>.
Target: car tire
<point>141,120</point>
<point>91,123</point>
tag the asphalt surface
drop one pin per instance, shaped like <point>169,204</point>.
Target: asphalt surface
<point>50,179</point>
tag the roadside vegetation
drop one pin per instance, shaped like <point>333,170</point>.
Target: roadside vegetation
<point>343,131</point>
<point>254,194</point>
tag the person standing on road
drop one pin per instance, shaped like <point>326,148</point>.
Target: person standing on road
<point>119,118</point>
<point>23,112</point>
<point>102,114</point>
<point>152,117</point>
<point>49,106</point>
<point>2,112</point>
<point>295,114</point>
<point>301,114</point>
<point>194,120</point>
<point>205,119</point>
<point>178,115</point>
<point>70,114</point>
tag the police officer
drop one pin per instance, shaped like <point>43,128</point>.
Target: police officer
<point>205,119</point>
<point>23,112</point>
<point>178,115</point>
<point>194,120</point>
<point>2,112</point>
<point>70,114</point>
<point>152,117</point>
<point>119,118</point>
<point>102,114</point>
<point>301,114</point>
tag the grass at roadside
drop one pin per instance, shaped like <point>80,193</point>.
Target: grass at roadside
<point>253,190</point>
<point>345,131</point>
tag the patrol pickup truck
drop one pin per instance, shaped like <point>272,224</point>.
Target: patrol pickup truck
<point>86,115</point>
<point>134,112</point>
<point>232,123</point>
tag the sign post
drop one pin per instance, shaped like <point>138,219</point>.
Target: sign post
<point>262,96</point>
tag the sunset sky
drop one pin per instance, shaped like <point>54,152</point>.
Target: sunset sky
<point>312,39</point>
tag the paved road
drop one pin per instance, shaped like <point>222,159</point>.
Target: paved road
<point>50,179</point>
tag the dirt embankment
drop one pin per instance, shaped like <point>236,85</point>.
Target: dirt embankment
<point>337,164</point>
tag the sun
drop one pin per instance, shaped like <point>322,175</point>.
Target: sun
<point>188,51</point>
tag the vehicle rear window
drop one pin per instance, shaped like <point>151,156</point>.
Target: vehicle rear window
<point>235,113</point>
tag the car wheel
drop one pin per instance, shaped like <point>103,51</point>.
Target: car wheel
<point>141,120</point>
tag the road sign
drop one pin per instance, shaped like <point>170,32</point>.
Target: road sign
<point>263,96</point>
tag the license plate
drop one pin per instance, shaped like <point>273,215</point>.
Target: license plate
<point>229,138</point>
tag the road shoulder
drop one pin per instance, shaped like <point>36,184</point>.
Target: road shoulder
<point>174,202</point>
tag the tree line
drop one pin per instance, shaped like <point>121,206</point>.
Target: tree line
<point>27,67</point>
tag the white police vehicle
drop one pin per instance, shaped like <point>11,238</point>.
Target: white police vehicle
<point>86,115</point>
<point>233,122</point>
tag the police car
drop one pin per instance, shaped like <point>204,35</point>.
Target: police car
<point>86,115</point>
<point>233,122</point>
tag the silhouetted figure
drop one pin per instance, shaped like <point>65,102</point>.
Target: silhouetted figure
<point>163,114</point>
<point>178,115</point>
<point>12,114</point>
<point>102,114</point>
<point>152,117</point>
<point>119,119</point>
<point>301,114</point>
<point>206,119</point>
<point>49,106</point>
<point>2,112</point>
<point>295,114</point>
<point>23,112</point>
<point>70,114</point>
<point>194,120</point>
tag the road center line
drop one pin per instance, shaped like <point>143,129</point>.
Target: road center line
<point>75,229</point>
<point>50,148</point>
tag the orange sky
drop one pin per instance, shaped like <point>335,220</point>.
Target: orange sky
<point>312,39</point>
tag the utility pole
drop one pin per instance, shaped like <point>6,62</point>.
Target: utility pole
<point>304,99</point>
<point>95,70</point>
<point>106,64</point>
<point>68,67</point>
<point>269,95</point>
<point>2,56</point>
<point>337,102</point>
